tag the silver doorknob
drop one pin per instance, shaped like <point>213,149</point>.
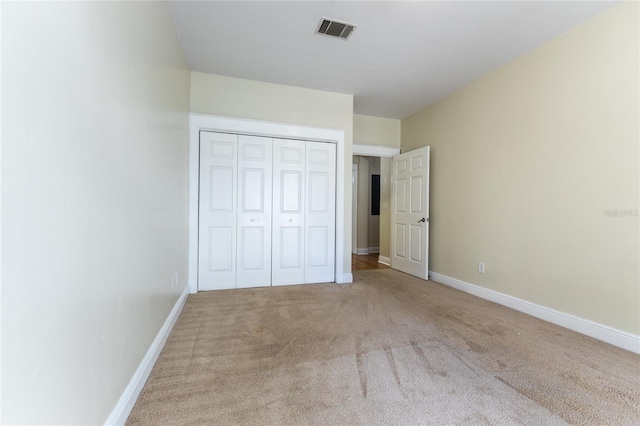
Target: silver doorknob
<point>422,220</point>
<point>290,220</point>
<point>253,220</point>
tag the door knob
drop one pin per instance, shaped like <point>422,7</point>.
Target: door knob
<point>421,220</point>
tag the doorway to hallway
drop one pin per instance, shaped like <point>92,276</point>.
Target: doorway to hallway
<point>365,262</point>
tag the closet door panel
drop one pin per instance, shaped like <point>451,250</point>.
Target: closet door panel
<point>217,211</point>
<point>254,211</point>
<point>320,217</point>
<point>288,212</point>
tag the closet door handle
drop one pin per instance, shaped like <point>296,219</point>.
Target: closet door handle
<point>422,220</point>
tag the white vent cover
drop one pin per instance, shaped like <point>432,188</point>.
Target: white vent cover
<point>334,28</point>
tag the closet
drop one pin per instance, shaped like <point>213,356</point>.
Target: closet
<point>266,211</point>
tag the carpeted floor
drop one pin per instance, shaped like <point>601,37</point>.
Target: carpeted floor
<point>388,349</point>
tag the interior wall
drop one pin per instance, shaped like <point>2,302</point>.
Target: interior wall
<point>368,130</point>
<point>535,172</point>
<point>385,212</point>
<point>95,101</point>
<point>234,97</point>
<point>363,204</point>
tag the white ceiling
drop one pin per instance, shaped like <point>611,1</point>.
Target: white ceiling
<point>401,57</point>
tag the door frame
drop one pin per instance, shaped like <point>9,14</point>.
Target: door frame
<point>215,123</point>
<point>354,208</point>
<point>379,151</point>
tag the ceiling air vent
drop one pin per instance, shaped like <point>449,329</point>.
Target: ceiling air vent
<point>334,28</point>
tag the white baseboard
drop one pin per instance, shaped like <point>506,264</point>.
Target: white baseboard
<point>128,398</point>
<point>607,334</point>
<point>384,260</point>
<point>345,279</point>
<point>367,250</point>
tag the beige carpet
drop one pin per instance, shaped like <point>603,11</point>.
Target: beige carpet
<point>388,349</point>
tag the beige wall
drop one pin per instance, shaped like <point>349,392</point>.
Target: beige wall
<point>363,202</point>
<point>368,130</point>
<point>95,100</point>
<point>526,162</point>
<point>234,97</point>
<point>369,226</point>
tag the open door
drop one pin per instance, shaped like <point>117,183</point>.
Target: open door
<point>410,212</point>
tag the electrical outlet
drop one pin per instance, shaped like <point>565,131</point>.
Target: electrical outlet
<point>481,267</point>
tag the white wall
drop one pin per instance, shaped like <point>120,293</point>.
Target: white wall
<point>527,161</point>
<point>95,100</point>
<point>234,97</point>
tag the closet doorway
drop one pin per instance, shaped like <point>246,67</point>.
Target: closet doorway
<point>267,211</point>
<point>199,123</point>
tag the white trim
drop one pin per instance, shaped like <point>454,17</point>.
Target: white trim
<point>127,400</point>
<point>621,339</point>
<point>346,278</point>
<point>354,207</point>
<point>375,150</point>
<point>367,250</point>
<point>384,260</point>
<point>198,122</point>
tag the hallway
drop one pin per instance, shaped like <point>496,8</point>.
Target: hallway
<point>364,262</point>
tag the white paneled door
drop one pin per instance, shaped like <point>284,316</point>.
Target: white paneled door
<point>267,211</point>
<point>320,217</point>
<point>288,219</point>
<point>410,213</point>
<point>254,212</point>
<point>217,211</point>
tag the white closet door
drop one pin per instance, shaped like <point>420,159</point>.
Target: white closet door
<point>217,211</point>
<point>288,212</point>
<point>320,215</point>
<point>254,211</point>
